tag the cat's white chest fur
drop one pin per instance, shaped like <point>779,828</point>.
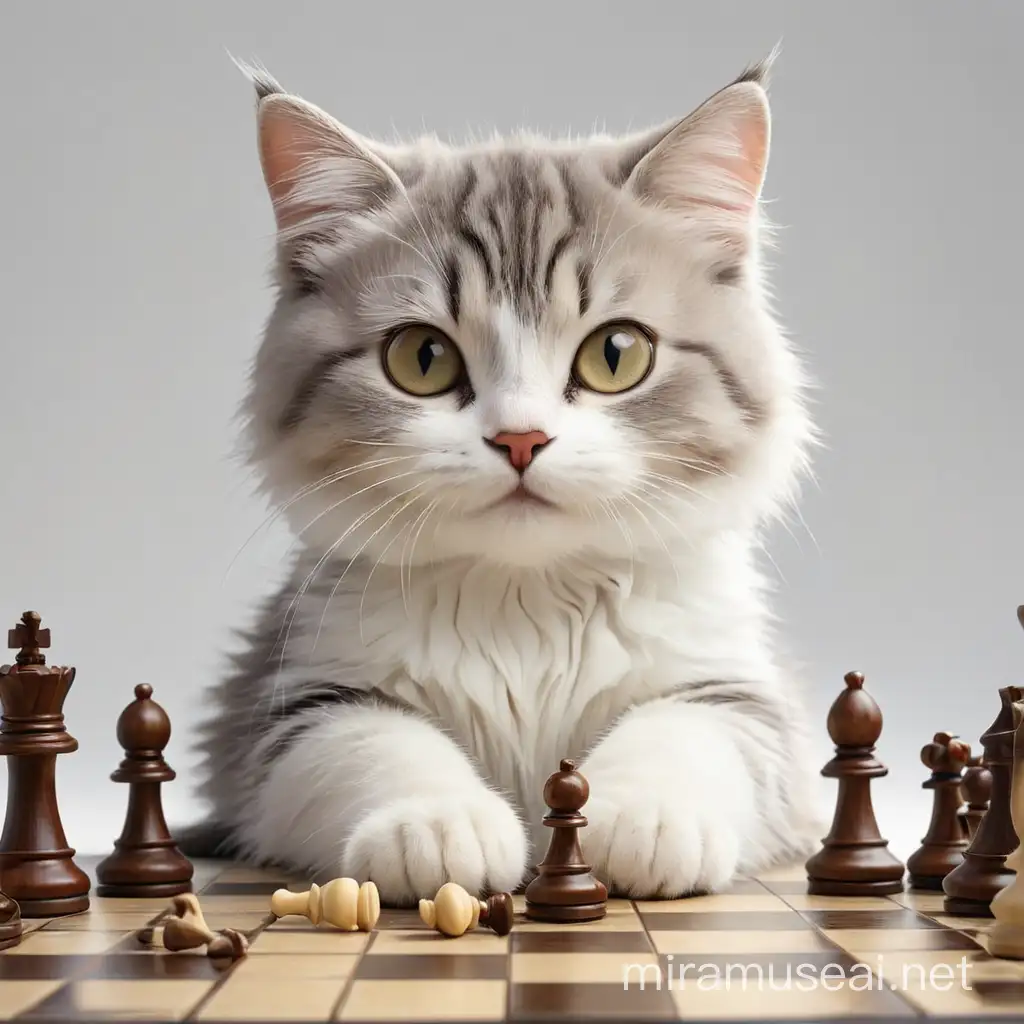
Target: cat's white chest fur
<point>525,667</point>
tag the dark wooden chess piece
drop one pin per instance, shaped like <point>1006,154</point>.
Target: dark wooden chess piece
<point>10,922</point>
<point>564,889</point>
<point>146,860</point>
<point>943,845</point>
<point>37,865</point>
<point>977,792</point>
<point>854,859</point>
<point>969,888</point>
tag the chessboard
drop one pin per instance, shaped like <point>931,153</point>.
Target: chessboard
<point>763,950</point>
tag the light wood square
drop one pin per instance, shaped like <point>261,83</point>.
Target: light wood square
<point>761,1002</point>
<point>421,940</point>
<point>138,1000</point>
<point>702,942</point>
<point>325,967</point>
<point>239,875</point>
<point>250,997</point>
<point>47,943</point>
<point>18,996</point>
<point>795,872</point>
<point>397,999</point>
<point>312,942</point>
<point>715,904</point>
<point>582,968</point>
<point>925,902</point>
<point>101,921</point>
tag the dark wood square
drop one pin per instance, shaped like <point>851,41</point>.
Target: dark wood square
<point>432,965</point>
<point>873,920</point>
<point>727,921</point>
<point>157,966</point>
<point>589,1002</point>
<point>580,942</point>
<point>40,967</point>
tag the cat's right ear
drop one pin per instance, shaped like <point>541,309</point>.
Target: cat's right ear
<point>317,171</point>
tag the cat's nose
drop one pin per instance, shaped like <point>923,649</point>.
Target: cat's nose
<point>519,449</point>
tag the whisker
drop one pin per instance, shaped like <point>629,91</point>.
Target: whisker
<point>312,488</point>
<point>359,551</point>
<point>380,558</point>
<point>415,537</point>
<point>348,497</point>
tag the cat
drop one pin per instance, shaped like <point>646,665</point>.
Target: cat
<point>528,411</point>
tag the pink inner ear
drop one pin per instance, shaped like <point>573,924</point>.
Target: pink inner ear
<point>747,166</point>
<point>288,140</point>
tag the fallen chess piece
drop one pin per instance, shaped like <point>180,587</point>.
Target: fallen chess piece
<point>188,930</point>
<point>11,928</point>
<point>453,911</point>
<point>342,902</point>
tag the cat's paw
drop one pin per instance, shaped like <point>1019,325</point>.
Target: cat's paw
<point>658,845</point>
<point>410,847</point>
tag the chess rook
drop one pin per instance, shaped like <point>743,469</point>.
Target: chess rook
<point>37,865</point>
<point>942,848</point>
<point>564,889</point>
<point>969,888</point>
<point>146,861</point>
<point>854,860</point>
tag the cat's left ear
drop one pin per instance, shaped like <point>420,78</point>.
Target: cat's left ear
<point>713,162</point>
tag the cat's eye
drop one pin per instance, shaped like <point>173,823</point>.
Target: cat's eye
<point>614,358</point>
<point>423,361</point>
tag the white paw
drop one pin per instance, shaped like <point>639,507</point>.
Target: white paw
<point>411,847</point>
<point>657,846</point>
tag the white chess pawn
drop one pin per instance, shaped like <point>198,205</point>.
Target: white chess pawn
<point>342,902</point>
<point>1006,937</point>
<point>453,911</point>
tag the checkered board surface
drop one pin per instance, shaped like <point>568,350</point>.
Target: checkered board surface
<point>799,955</point>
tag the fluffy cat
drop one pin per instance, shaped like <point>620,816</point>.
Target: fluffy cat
<point>527,409</point>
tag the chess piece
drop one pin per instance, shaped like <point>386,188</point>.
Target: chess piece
<point>10,922</point>
<point>188,929</point>
<point>977,791</point>
<point>146,861</point>
<point>969,888</point>
<point>854,859</point>
<point>1006,937</point>
<point>564,889</point>
<point>943,845</point>
<point>38,867</point>
<point>342,902</point>
<point>453,911</point>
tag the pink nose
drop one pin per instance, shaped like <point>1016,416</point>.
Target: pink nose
<point>519,448</point>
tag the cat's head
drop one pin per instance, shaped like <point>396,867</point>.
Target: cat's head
<point>524,348</point>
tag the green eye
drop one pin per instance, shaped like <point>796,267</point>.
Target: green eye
<point>423,361</point>
<point>614,358</point>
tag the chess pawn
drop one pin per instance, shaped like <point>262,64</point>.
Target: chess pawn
<point>342,902</point>
<point>970,886</point>
<point>854,859</point>
<point>453,911</point>
<point>1006,937</point>
<point>38,867</point>
<point>146,861</point>
<point>565,889</point>
<point>977,791</point>
<point>943,845</point>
